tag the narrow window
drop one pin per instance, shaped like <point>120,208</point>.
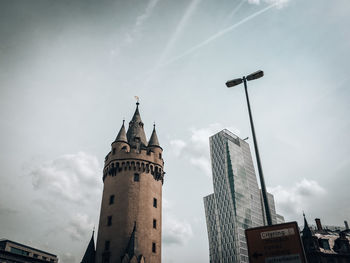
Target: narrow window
<point>113,150</point>
<point>136,177</point>
<point>154,223</point>
<point>111,199</point>
<point>154,247</point>
<point>160,156</point>
<point>109,221</point>
<point>107,243</point>
<point>155,202</point>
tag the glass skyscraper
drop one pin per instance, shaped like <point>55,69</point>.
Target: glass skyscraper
<point>236,203</point>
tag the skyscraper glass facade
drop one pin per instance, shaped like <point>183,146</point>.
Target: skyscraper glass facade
<point>235,204</point>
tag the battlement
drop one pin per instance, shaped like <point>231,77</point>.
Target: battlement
<point>120,166</point>
<point>122,152</point>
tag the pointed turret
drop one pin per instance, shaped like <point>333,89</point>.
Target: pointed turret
<point>121,137</point>
<point>136,135</point>
<point>306,231</point>
<point>153,141</point>
<point>89,256</point>
<point>130,250</point>
<point>310,242</point>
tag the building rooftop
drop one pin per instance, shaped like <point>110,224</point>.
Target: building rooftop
<point>4,240</point>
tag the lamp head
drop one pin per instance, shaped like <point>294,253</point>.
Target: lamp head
<point>255,75</point>
<point>233,82</point>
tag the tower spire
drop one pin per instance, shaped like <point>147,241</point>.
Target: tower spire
<point>136,135</point>
<point>306,231</point>
<point>89,256</point>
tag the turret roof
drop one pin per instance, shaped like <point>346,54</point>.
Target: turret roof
<point>121,137</point>
<point>130,250</point>
<point>153,141</point>
<point>89,256</point>
<point>136,135</point>
<point>306,231</point>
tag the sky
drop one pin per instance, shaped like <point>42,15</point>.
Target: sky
<point>69,71</point>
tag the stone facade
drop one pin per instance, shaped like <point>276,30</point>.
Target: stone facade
<point>130,227</point>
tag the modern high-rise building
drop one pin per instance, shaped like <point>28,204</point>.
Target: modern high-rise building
<point>236,203</point>
<point>130,228</point>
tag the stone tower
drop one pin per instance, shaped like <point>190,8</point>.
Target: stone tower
<point>130,227</point>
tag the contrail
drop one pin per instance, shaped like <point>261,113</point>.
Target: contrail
<point>181,25</point>
<point>217,35</point>
<point>234,11</point>
<point>204,43</point>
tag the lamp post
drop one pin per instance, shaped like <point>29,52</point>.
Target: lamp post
<point>235,82</point>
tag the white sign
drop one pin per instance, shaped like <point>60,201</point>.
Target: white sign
<point>284,259</point>
<point>277,233</point>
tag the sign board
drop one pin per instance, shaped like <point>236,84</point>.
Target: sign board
<point>275,244</point>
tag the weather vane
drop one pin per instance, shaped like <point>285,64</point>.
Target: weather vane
<point>137,100</point>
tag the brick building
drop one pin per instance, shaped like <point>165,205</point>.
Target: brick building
<point>130,227</point>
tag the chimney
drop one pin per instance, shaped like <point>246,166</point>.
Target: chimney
<point>346,225</point>
<point>318,224</point>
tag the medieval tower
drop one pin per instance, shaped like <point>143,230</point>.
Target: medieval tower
<point>130,227</point>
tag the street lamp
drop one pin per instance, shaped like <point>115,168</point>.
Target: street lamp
<point>236,82</point>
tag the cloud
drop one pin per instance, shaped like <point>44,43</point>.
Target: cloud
<point>148,11</point>
<point>79,226</point>
<point>214,37</point>
<point>176,232</point>
<point>196,148</point>
<point>202,163</point>
<point>135,31</point>
<point>74,177</point>
<point>200,137</point>
<point>278,3</point>
<point>67,258</point>
<point>7,211</point>
<point>292,200</point>
<point>177,146</point>
<point>140,20</point>
<point>67,194</point>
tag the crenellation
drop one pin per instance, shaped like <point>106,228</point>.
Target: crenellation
<point>115,167</point>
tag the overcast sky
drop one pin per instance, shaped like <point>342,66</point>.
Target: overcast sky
<point>69,71</point>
